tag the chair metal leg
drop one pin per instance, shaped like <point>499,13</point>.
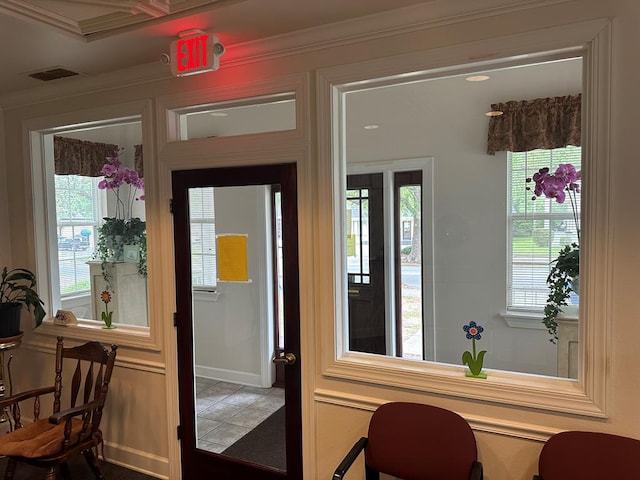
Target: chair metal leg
<point>51,474</point>
<point>370,473</point>
<point>11,469</point>
<point>65,472</point>
<point>93,463</point>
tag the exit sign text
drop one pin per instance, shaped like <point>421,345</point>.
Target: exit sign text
<point>193,53</point>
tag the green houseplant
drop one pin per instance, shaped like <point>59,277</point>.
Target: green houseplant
<point>561,281</point>
<point>17,290</point>
<point>122,229</point>
<point>565,269</point>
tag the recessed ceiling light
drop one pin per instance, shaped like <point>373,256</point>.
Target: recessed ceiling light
<point>219,114</point>
<point>477,78</point>
<point>371,127</point>
<point>494,113</point>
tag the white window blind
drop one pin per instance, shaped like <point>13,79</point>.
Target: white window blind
<point>77,220</point>
<point>537,229</point>
<point>203,237</point>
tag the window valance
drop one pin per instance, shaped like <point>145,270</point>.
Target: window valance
<point>531,124</point>
<point>84,158</point>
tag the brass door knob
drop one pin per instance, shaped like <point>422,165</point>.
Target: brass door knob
<point>286,359</point>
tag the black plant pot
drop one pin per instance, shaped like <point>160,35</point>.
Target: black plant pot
<point>10,319</point>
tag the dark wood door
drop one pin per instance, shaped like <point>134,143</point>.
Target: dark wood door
<point>200,458</point>
<point>365,263</point>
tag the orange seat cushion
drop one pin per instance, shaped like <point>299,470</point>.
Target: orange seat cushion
<point>37,439</point>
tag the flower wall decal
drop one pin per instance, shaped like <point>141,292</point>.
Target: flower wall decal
<point>107,316</point>
<point>474,360</point>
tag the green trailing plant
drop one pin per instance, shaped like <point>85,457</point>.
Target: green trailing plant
<point>113,235</point>
<point>564,271</point>
<point>18,286</point>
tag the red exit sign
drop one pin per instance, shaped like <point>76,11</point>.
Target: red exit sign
<point>195,52</point>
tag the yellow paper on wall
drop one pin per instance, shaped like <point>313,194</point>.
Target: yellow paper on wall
<point>232,258</point>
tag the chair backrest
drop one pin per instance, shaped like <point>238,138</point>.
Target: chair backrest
<point>589,456</point>
<point>414,441</point>
<point>91,376</point>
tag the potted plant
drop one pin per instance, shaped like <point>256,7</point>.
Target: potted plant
<point>122,229</point>
<point>17,290</point>
<point>565,270</point>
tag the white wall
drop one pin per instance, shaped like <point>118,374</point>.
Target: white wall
<point>336,411</point>
<point>230,326</point>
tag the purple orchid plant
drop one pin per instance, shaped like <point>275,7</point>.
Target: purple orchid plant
<point>115,176</point>
<point>559,185</point>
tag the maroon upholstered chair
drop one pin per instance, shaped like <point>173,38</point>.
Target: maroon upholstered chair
<point>413,441</point>
<point>589,456</point>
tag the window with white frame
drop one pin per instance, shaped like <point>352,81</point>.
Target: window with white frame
<point>79,205</point>
<point>537,229</point>
<point>68,154</point>
<point>471,201</point>
<point>203,237</point>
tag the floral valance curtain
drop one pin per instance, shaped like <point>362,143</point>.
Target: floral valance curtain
<point>137,160</point>
<point>84,158</point>
<point>530,124</point>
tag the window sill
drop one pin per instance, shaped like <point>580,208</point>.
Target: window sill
<point>533,320</point>
<point>87,330</point>
<point>500,387</point>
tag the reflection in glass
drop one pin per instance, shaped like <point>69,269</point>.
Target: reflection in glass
<point>486,250</point>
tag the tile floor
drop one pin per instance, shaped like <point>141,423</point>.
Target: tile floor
<point>228,411</point>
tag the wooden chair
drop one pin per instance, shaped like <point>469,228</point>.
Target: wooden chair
<point>574,455</point>
<point>50,442</point>
<point>414,441</point>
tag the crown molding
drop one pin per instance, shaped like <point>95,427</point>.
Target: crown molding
<point>379,26</point>
<point>101,17</point>
<point>423,16</point>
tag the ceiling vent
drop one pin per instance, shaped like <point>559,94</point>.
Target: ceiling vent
<point>53,74</point>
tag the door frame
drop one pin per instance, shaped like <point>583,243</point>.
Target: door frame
<point>192,458</point>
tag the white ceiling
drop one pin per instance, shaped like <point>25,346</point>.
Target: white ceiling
<point>92,37</point>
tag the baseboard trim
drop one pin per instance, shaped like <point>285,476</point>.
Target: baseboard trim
<point>242,378</point>
<point>137,460</point>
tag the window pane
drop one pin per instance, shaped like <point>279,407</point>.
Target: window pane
<point>97,219</point>
<point>77,221</point>
<point>203,236</point>
<point>410,298</point>
<point>486,245</point>
<point>539,228</point>
<point>253,115</point>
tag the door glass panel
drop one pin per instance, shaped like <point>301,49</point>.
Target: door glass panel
<point>239,411</point>
<point>358,235</point>
<point>410,261</point>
